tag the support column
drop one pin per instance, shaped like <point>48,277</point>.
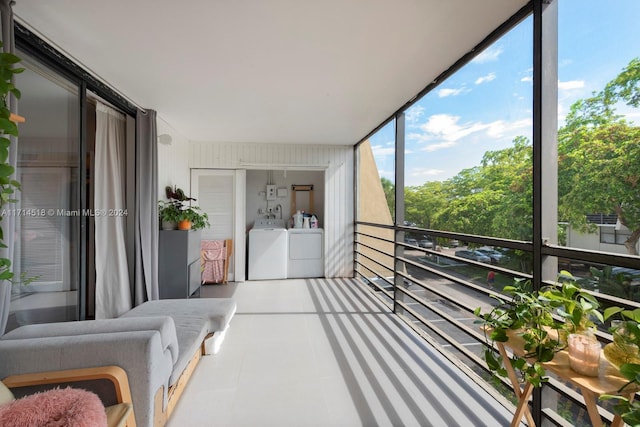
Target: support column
<point>399,206</point>
<point>545,153</point>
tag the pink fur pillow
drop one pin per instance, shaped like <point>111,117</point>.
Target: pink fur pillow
<point>67,407</point>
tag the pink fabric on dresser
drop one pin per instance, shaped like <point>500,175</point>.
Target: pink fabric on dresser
<point>213,256</point>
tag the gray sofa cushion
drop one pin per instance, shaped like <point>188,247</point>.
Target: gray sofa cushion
<point>163,324</point>
<point>140,353</point>
<point>194,319</point>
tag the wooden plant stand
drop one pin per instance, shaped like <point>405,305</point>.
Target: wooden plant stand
<point>609,381</point>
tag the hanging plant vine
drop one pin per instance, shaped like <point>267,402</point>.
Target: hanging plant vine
<point>8,185</point>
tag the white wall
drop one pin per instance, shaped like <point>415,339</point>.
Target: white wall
<point>257,180</point>
<point>591,241</point>
<point>335,161</point>
<point>173,160</point>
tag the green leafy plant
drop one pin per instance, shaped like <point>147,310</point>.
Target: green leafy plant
<point>625,347</point>
<point>8,186</point>
<point>630,321</point>
<point>578,309</point>
<point>629,410</point>
<point>196,216</point>
<point>178,209</point>
<point>529,316</point>
<point>169,211</point>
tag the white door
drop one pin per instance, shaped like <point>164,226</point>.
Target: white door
<point>220,193</point>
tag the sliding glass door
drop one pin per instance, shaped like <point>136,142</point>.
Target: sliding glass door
<point>48,212</point>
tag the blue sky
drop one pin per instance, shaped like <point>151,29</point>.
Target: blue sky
<point>489,101</point>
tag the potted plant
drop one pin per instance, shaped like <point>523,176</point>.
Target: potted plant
<point>578,309</point>
<point>192,218</point>
<point>627,409</point>
<point>527,317</point>
<point>176,213</point>
<point>623,354</point>
<point>624,349</point>
<point>169,214</point>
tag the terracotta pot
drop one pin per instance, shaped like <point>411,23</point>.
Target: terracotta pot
<point>184,225</point>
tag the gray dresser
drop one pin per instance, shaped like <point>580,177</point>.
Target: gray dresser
<point>179,274</point>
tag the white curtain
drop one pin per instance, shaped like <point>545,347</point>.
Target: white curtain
<point>113,294</point>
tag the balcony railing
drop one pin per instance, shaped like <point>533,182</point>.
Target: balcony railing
<point>436,292</point>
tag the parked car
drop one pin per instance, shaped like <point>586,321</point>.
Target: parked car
<point>426,243</point>
<point>474,255</point>
<point>454,243</point>
<point>411,241</point>
<point>496,256</point>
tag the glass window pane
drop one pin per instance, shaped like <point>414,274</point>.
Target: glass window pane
<point>48,157</point>
<point>376,201</point>
<point>598,104</point>
<point>376,174</point>
<point>468,145</point>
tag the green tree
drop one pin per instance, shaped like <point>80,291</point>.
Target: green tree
<point>423,203</point>
<point>389,189</point>
<point>599,157</point>
<point>508,172</point>
<point>493,199</point>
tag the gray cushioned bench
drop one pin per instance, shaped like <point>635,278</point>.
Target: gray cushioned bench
<point>194,320</point>
<point>154,343</point>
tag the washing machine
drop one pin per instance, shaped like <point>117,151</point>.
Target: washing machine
<point>306,253</point>
<point>268,242</point>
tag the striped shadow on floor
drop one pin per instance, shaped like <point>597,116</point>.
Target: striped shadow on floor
<point>325,352</point>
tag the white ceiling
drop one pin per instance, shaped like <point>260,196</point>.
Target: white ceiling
<point>273,71</point>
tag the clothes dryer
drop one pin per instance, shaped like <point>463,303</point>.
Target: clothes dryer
<point>306,253</point>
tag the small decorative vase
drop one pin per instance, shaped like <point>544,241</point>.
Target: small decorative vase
<point>622,350</point>
<point>584,353</point>
<point>184,225</point>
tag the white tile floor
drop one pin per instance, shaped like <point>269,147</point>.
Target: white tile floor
<point>325,353</point>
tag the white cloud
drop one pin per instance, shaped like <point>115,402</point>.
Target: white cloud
<point>413,114</point>
<point>443,93</point>
<point>500,128</point>
<point>484,79</point>
<point>571,84</point>
<point>489,55</point>
<point>435,147</point>
<point>527,79</point>
<point>414,136</point>
<point>380,151</point>
<point>425,172</point>
<point>444,130</point>
<point>445,126</point>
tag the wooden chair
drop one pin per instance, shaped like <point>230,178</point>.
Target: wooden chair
<point>227,252</point>
<point>119,414</point>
